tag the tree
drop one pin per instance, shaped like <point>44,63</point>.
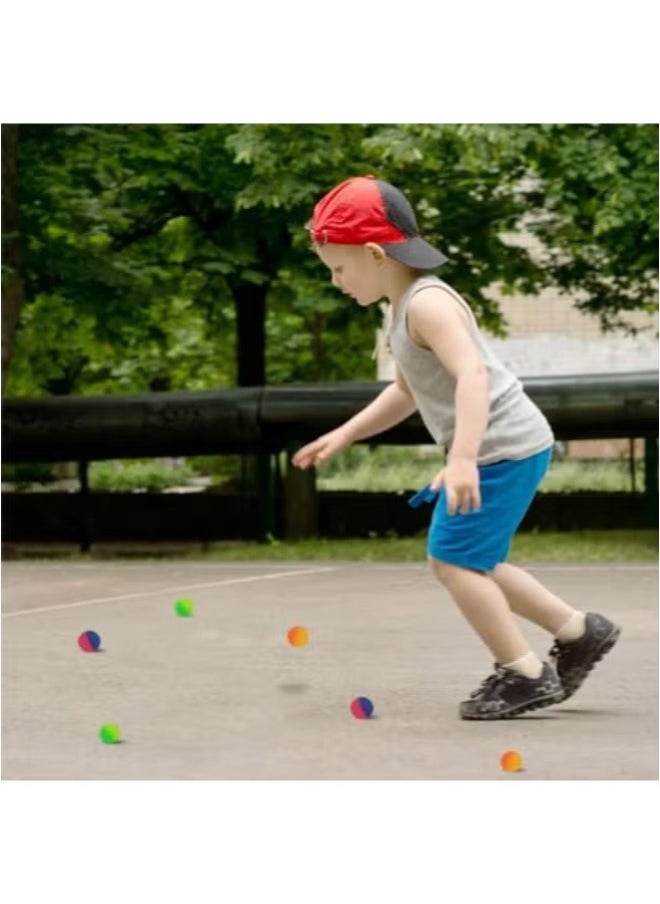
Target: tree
<point>127,230</point>
<point>594,206</point>
<point>587,193</point>
<point>12,283</point>
<point>123,291</point>
<point>146,250</point>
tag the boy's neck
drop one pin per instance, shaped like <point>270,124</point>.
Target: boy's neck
<point>399,281</point>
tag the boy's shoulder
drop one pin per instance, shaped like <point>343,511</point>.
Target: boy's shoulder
<point>439,301</point>
<point>433,287</point>
<point>434,312</point>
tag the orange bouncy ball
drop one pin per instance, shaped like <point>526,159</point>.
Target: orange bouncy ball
<point>298,636</point>
<point>511,761</point>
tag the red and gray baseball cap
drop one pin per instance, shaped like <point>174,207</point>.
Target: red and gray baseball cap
<point>364,209</point>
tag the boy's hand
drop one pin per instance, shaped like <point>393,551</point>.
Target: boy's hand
<point>461,482</point>
<point>321,449</point>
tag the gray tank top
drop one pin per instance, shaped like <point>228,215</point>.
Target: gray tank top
<point>516,427</point>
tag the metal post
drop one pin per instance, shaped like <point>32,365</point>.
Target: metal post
<point>300,500</point>
<point>651,481</point>
<point>258,492</point>
<point>85,514</point>
<point>265,498</point>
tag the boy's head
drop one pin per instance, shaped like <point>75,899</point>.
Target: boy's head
<point>364,226</point>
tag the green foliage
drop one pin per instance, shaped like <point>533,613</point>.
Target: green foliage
<point>135,239</point>
<point>602,475</point>
<point>408,468</point>
<point>117,303</point>
<point>594,205</point>
<point>151,475</point>
<point>223,466</point>
<point>464,182</point>
<point>23,474</point>
<point>360,468</point>
<point>315,334</point>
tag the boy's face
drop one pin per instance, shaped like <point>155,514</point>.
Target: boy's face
<point>356,270</point>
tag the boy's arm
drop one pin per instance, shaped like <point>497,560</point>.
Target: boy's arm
<point>393,405</point>
<point>443,328</point>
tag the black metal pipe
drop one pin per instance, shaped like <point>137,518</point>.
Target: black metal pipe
<point>268,419</point>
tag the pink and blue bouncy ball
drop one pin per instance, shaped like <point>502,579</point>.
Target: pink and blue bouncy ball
<point>362,708</point>
<point>89,641</point>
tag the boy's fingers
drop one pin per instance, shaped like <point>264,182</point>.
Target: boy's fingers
<point>304,456</point>
<point>299,455</point>
<point>469,501</point>
<point>437,482</point>
<point>305,460</point>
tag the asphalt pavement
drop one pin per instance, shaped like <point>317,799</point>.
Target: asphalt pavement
<point>222,695</point>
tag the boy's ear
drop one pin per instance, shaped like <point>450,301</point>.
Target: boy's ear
<point>376,252</point>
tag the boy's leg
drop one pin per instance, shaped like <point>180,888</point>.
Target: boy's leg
<point>474,543</point>
<point>485,606</point>
<point>581,639</point>
<point>521,682</point>
<point>530,599</point>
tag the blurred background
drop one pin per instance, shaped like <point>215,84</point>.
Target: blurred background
<point>174,258</point>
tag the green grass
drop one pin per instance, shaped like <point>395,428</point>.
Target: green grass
<point>574,546</point>
<point>360,468</point>
<point>391,468</point>
<point>577,546</point>
<point>151,475</point>
<point>602,475</point>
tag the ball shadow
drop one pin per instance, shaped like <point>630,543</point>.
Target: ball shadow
<point>293,687</point>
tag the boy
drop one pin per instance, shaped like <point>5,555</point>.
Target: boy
<point>499,443</point>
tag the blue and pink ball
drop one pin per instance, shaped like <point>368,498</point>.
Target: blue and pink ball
<point>89,641</point>
<point>362,708</point>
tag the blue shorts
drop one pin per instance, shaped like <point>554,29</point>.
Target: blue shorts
<point>481,540</point>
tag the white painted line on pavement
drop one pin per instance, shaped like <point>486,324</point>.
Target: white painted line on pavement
<point>185,589</point>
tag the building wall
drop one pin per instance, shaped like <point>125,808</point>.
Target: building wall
<point>548,335</point>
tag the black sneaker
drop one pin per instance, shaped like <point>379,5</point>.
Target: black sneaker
<point>574,660</point>
<point>506,693</point>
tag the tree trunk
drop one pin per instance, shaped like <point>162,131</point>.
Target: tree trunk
<point>12,284</point>
<point>250,334</point>
<point>257,470</point>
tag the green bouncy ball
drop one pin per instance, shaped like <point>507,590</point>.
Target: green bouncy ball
<point>184,607</point>
<point>110,733</point>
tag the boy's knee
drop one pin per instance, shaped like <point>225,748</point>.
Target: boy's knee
<point>447,573</point>
<point>443,571</point>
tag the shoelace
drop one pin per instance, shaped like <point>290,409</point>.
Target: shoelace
<point>499,676</point>
<point>555,650</point>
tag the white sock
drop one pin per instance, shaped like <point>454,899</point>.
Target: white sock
<point>528,665</point>
<point>573,628</point>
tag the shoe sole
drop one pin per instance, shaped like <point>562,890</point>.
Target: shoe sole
<point>574,683</point>
<point>538,703</point>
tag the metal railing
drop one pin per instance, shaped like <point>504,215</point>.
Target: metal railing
<point>265,421</point>
<point>271,418</point>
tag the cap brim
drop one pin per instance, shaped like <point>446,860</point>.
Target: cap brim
<point>417,253</point>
